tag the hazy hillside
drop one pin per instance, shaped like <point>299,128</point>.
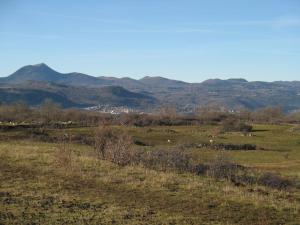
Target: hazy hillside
<point>78,89</point>
<point>41,72</point>
<point>34,93</point>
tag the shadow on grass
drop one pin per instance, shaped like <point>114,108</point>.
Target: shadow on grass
<point>259,130</point>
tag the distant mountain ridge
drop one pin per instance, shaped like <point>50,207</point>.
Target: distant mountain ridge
<point>34,93</point>
<point>31,82</point>
<point>41,72</point>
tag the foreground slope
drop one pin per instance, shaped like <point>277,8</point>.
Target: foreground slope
<point>41,184</point>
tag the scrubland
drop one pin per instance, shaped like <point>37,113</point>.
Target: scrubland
<point>56,176</point>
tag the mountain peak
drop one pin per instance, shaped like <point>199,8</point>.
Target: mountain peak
<point>240,80</point>
<point>36,67</point>
<point>154,78</point>
<point>40,65</point>
<point>37,72</point>
<point>223,82</point>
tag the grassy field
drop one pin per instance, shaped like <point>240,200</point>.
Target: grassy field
<point>38,187</point>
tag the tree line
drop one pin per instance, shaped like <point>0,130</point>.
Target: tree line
<point>50,112</point>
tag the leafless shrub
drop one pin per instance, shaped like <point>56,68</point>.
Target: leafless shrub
<point>293,117</point>
<point>235,125</point>
<point>114,146</point>
<point>83,139</point>
<point>274,181</point>
<point>121,151</point>
<point>39,134</point>
<point>222,146</point>
<point>160,119</point>
<point>211,114</point>
<point>200,169</point>
<point>117,147</point>
<point>50,111</point>
<point>166,160</point>
<point>64,156</point>
<point>104,136</point>
<point>223,168</point>
<point>179,160</point>
<point>270,114</point>
<point>244,114</point>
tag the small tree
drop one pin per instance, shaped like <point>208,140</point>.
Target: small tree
<point>114,146</point>
<point>268,114</point>
<point>50,110</point>
<point>235,125</point>
<point>104,137</point>
<point>168,112</point>
<point>210,114</point>
<point>244,114</point>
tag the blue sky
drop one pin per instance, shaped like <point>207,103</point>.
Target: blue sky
<point>190,40</point>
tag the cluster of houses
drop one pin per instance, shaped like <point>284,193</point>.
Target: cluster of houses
<point>111,109</point>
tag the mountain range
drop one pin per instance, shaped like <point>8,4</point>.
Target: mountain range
<point>35,83</point>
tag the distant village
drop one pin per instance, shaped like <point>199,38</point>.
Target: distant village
<point>116,110</point>
<point>113,109</point>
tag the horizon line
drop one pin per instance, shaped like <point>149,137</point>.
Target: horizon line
<point>150,76</point>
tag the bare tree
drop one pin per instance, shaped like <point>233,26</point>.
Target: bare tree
<point>50,110</point>
<point>268,114</point>
<point>168,112</point>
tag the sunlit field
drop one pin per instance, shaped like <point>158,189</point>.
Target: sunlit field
<point>41,184</point>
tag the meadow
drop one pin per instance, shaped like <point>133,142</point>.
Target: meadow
<point>47,180</point>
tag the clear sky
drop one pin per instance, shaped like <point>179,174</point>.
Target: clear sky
<point>190,40</point>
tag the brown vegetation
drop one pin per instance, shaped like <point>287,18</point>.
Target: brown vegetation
<point>50,114</point>
<point>113,146</point>
<point>117,147</point>
<point>235,125</point>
